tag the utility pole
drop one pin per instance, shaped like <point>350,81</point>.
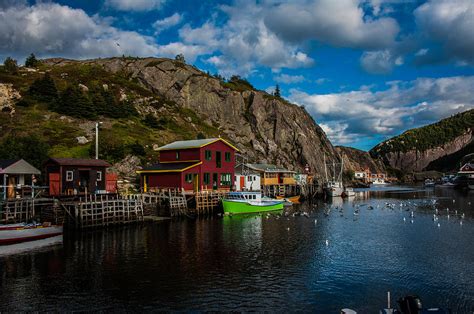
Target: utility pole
<point>97,139</point>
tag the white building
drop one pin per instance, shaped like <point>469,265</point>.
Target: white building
<point>250,182</point>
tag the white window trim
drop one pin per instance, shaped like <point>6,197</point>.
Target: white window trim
<point>99,175</point>
<point>69,176</point>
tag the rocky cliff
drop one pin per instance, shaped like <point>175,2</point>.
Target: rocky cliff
<point>427,148</point>
<point>265,128</point>
<point>357,160</point>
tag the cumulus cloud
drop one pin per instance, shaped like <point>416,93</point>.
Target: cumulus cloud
<point>363,113</point>
<point>168,22</point>
<point>451,24</point>
<point>380,62</point>
<point>49,29</point>
<point>341,23</point>
<point>135,5</point>
<point>289,79</point>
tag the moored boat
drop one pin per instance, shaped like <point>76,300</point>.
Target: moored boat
<point>379,182</point>
<point>429,183</point>
<point>17,233</point>
<point>348,192</point>
<point>334,188</point>
<point>293,199</point>
<point>249,202</point>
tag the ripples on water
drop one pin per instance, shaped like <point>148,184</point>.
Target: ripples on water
<point>261,262</point>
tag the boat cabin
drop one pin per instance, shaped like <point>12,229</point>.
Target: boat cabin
<point>17,178</point>
<point>72,176</point>
<point>206,164</point>
<point>245,196</point>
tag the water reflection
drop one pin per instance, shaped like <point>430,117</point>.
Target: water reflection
<point>276,262</point>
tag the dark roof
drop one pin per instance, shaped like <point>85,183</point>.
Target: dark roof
<point>80,162</point>
<point>169,167</point>
<point>4,163</point>
<point>194,144</point>
<point>268,168</point>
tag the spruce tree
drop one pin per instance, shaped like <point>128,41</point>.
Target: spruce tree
<point>10,65</point>
<point>31,61</point>
<point>44,89</point>
<point>277,91</point>
<point>75,103</point>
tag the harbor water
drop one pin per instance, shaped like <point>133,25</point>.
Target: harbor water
<point>318,257</point>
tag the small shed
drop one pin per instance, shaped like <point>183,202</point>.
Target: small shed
<point>73,176</point>
<point>247,179</point>
<point>17,178</point>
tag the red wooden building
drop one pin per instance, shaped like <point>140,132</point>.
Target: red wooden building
<point>72,176</point>
<point>192,165</point>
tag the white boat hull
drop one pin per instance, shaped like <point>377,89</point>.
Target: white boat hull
<point>335,191</point>
<point>10,234</point>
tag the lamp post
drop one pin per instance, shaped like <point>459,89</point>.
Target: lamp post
<point>97,139</point>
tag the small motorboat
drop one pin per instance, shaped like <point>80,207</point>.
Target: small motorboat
<point>379,182</point>
<point>293,199</point>
<point>348,192</point>
<point>249,202</point>
<point>429,183</point>
<point>17,233</point>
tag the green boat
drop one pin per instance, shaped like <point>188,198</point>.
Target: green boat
<point>249,202</point>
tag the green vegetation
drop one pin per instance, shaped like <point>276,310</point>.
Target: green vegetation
<point>10,65</point>
<point>429,136</point>
<point>32,62</point>
<point>238,84</point>
<point>30,148</point>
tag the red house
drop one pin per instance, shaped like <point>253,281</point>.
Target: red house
<point>192,165</point>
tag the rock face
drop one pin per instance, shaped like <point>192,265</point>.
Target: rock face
<point>263,127</point>
<point>414,161</point>
<point>8,96</point>
<point>357,160</point>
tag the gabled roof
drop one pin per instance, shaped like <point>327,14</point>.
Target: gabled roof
<point>17,167</point>
<point>469,167</point>
<point>268,168</point>
<point>169,167</point>
<point>79,162</point>
<point>194,144</point>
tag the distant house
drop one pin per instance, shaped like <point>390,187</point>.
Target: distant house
<point>467,169</point>
<point>192,165</point>
<point>72,176</point>
<point>367,176</point>
<point>17,178</point>
<point>247,179</point>
<point>272,175</point>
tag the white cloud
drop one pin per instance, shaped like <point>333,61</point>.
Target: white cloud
<point>289,79</point>
<point>135,5</point>
<point>451,24</point>
<point>341,23</point>
<point>379,62</point>
<point>365,113</point>
<point>168,22</point>
<point>190,52</point>
<point>49,29</point>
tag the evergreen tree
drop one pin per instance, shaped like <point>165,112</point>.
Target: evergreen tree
<point>98,100</point>
<point>31,148</point>
<point>277,91</point>
<point>10,65</point>
<point>44,89</point>
<point>31,61</point>
<point>151,121</point>
<point>75,103</point>
<point>180,58</point>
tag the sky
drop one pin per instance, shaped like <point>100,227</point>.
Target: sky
<point>366,70</point>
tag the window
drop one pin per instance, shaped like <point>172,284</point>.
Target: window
<point>218,160</point>
<point>99,175</point>
<point>207,178</point>
<point>249,178</point>
<point>69,175</point>
<point>227,157</point>
<point>226,179</point>
<point>177,155</point>
<point>208,154</point>
<point>188,178</point>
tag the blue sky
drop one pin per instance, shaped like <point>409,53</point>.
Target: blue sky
<point>365,70</point>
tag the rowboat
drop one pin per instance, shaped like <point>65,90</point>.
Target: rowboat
<point>249,202</point>
<point>16,233</point>
<point>294,199</point>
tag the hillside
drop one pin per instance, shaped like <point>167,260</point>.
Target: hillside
<point>145,103</point>
<point>437,146</point>
<point>357,160</point>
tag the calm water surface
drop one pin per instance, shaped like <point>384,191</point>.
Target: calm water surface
<point>256,263</point>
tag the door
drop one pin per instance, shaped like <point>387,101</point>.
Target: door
<point>214,181</point>
<point>242,183</point>
<point>84,179</point>
<point>54,184</point>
